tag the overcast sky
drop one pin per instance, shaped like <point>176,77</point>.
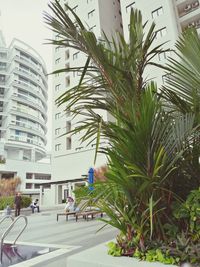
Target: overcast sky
<point>23,19</point>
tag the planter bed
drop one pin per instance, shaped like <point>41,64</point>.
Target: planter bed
<point>98,257</point>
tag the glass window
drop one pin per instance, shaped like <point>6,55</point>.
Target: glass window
<point>68,143</point>
<point>28,185</point>
<point>75,55</point>
<point>68,126</point>
<point>161,33</point>
<point>91,14</point>
<point>57,131</point>
<point>92,28</point>
<point>57,87</point>
<point>57,48</point>
<point>67,54</point>
<point>57,60</point>
<point>128,8</point>
<point>157,12</point>
<point>75,8</point>
<point>57,147</point>
<point>57,115</point>
<point>67,81</point>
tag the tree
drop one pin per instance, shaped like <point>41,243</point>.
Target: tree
<point>146,143</point>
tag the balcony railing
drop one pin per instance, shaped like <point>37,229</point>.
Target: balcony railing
<point>31,113</point>
<point>188,8</point>
<point>37,90</point>
<point>30,100</point>
<point>194,24</point>
<point>29,126</point>
<point>26,139</point>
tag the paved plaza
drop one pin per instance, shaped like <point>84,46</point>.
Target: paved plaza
<point>43,229</point>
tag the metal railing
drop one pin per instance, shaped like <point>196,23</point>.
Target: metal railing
<point>9,229</point>
<point>6,217</point>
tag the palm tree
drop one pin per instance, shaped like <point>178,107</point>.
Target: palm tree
<point>182,92</point>
<point>146,143</point>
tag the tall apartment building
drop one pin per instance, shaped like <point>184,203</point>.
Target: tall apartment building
<point>23,115</point>
<point>171,18</point>
<point>70,159</point>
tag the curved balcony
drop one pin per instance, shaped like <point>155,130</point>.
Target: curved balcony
<point>28,114</point>
<point>29,63</point>
<point>29,131</point>
<point>31,77</point>
<point>23,141</point>
<point>30,102</point>
<point>29,88</point>
<point>34,129</point>
<point>28,140</point>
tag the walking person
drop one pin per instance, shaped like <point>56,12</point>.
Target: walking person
<point>18,203</point>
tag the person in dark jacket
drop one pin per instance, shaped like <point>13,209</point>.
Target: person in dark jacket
<point>18,203</point>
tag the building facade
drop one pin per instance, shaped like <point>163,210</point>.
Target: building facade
<point>70,159</point>
<point>23,115</point>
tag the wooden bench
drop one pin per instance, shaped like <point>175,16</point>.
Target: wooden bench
<point>66,214</point>
<point>86,214</point>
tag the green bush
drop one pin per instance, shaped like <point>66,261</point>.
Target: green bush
<point>4,201</point>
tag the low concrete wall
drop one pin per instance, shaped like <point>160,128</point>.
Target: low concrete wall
<point>98,257</point>
<point>52,259</point>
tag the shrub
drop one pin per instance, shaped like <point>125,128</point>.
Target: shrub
<point>4,201</point>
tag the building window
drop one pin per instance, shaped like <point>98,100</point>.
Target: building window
<point>91,14</point>
<point>1,91</point>
<point>74,73</point>
<point>2,78</point>
<point>28,185</point>
<point>161,33</point>
<point>57,147</point>
<point>57,48</point>
<point>75,55</point>
<point>68,143</point>
<point>68,113</point>
<point>75,8</point>
<point>57,87</point>
<point>57,60</point>
<point>68,126</point>
<point>157,12</point>
<point>128,8</point>
<point>67,81</point>
<point>41,176</point>
<point>67,54</point>
<point>57,37</point>
<point>57,131</point>
<point>29,175</point>
<point>57,115</point>
<point>163,56</point>
<point>92,28</point>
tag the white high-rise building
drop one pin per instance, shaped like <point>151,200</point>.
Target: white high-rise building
<point>70,159</point>
<point>171,18</point>
<point>23,115</point>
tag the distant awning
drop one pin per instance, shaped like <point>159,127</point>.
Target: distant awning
<point>64,181</point>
